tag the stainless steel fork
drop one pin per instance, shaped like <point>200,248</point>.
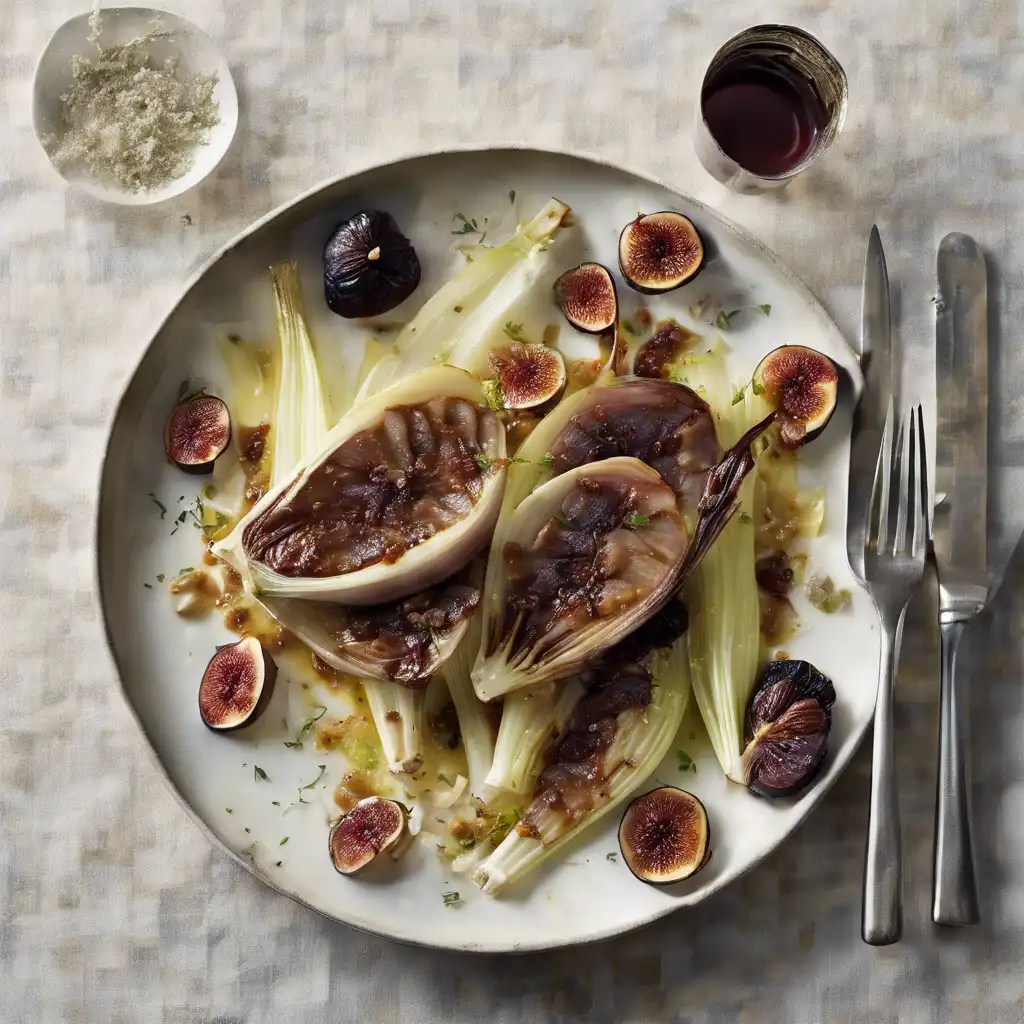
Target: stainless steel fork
<point>894,555</point>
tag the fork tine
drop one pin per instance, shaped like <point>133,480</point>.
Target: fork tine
<point>922,517</point>
<point>898,491</point>
<point>926,492</point>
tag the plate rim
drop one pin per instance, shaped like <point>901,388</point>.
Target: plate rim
<point>810,801</point>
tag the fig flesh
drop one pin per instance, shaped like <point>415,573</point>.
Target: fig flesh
<point>802,386</point>
<point>659,252</point>
<point>236,686</point>
<point>787,727</point>
<point>664,836</point>
<point>373,827</point>
<point>197,433</point>
<point>369,266</point>
<point>526,375</point>
<point>586,295</point>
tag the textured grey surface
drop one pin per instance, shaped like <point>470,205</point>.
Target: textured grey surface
<point>113,907</point>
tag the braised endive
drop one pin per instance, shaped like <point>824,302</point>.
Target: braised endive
<point>460,323</point>
<point>403,491</point>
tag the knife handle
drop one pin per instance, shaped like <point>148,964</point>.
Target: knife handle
<point>954,889</point>
<point>882,918</point>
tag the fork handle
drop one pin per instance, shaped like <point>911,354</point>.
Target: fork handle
<point>954,889</point>
<point>882,920</point>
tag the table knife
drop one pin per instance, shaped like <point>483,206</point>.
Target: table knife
<point>870,416</point>
<point>960,543</point>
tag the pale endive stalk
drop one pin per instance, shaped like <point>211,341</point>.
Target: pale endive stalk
<point>722,597</point>
<point>301,418</point>
<point>464,319</point>
<point>476,721</point>
<point>531,719</point>
<point>400,715</point>
<point>643,737</point>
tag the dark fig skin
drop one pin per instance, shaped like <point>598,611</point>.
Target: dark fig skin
<point>369,266</point>
<point>787,728</point>
<point>197,433</point>
<point>219,662</point>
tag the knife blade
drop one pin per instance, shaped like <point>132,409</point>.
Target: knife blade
<point>960,545</point>
<point>872,412</point>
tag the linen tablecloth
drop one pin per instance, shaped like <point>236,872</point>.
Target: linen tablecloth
<point>114,907</point>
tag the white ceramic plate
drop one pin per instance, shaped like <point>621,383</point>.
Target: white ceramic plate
<point>582,895</point>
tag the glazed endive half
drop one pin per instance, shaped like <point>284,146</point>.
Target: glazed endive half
<point>405,489</point>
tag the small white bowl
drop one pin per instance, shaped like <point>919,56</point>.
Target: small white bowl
<point>198,54</point>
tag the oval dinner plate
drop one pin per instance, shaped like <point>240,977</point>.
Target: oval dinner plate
<point>583,894</point>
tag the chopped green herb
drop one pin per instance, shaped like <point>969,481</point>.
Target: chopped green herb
<point>259,773</point>
<point>724,320</point>
<point>148,586</point>
<point>228,809</point>
<point>514,330</point>
<point>159,504</point>
<point>686,763</point>
<point>737,395</point>
<point>188,568</point>
<point>248,830</point>
<point>547,460</point>
<point>469,226</point>
<point>483,462</point>
<point>766,308</point>
<point>278,864</point>
<point>310,785</point>
<point>613,856</point>
<point>517,461</point>
<point>159,577</point>
<point>276,803</point>
<point>758,389</point>
<point>283,841</point>
<point>745,518</point>
<point>306,727</point>
<point>512,196</point>
<point>182,516</point>
<point>492,392</point>
<point>451,899</point>
<point>636,519</point>
<point>466,842</point>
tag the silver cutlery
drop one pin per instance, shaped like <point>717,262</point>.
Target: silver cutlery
<point>871,413</point>
<point>893,568</point>
<point>960,544</point>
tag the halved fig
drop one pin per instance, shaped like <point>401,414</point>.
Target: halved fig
<point>585,560</point>
<point>659,252</point>
<point>587,298</point>
<point>404,492</point>
<point>526,375</point>
<point>374,826</point>
<point>788,722</point>
<point>236,686</point>
<point>664,836</point>
<point>369,266</point>
<point>801,385</point>
<point>197,433</point>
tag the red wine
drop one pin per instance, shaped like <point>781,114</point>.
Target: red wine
<point>763,116</point>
